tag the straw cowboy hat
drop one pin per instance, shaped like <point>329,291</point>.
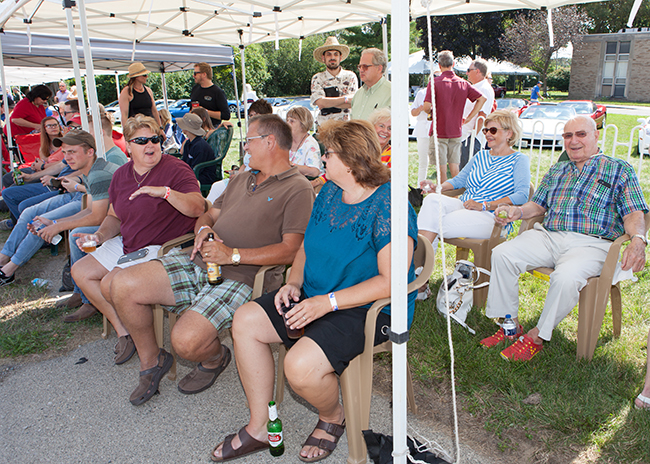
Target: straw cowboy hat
<point>137,69</point>
<point>191,123</point>
<point>331,43</point>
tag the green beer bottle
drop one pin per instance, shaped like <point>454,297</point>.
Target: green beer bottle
<point>18,180</point>
<point>274,429</point>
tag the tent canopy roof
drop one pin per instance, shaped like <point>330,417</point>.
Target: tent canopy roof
<point>40,50</point>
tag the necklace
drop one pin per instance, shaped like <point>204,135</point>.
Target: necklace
<point>302,141</point>
<point>136,179</point>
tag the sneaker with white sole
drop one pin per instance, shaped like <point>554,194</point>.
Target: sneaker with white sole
<point>7,224</point>
<point>6,280</point>
<point>424,295</point>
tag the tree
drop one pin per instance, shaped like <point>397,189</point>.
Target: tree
<point>612,16</point>
<point>526,40</point>
<point>465,35</point>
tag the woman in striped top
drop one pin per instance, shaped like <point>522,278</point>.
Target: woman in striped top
<point>500,175</point>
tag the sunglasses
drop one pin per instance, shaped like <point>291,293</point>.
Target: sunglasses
<point>579,134</point>
<point>156,139</point>
<point>197,72</point>
<point>491,130</point>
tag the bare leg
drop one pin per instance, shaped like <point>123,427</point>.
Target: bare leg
<point>443,173</point>
<point>646,387</point>
<point>312,377</point>
<point>9,268</point>
<point>428,234</point>
<point>88,274</point>
<point>252,333</point>
<point>532,333</point>
<point>4,259</point>
<point>454,169</point>
<point>196,339</point>
<point>134,291</point>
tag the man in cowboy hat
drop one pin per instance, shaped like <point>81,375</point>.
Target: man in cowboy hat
<point>333,89</point>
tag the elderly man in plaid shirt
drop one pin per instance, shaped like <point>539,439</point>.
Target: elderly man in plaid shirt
<point>589,201</point>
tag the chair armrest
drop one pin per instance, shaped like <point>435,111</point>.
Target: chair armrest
<point>527,224</point>
<point>609,266</point>
<point>258,285</point>
<point>201,166</point>
<point>178,241</point>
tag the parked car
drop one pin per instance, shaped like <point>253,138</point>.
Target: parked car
<point>544,124</point>
<point>597,112</point>
<point>516,105</point>
<point>278,101</point>
<point>180,108</point>
<point>160,104</point>
<point>644,135</point>
<point>499,92</point>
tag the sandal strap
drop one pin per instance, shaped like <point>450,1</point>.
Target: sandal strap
<point>159,365</point>
<point>335,430</point>
<point>248,445</point>
<point>321,443</point>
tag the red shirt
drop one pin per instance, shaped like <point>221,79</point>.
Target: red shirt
<point>25,109</point>
<point>451,93</point>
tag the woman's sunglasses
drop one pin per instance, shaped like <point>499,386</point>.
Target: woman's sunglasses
<point>491,130</point>
<point>156,139</point>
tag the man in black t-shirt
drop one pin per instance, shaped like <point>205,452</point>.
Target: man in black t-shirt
<point>209,95</point>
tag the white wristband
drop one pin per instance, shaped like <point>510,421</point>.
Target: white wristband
<point>335,305</point>
<point>201,228</point>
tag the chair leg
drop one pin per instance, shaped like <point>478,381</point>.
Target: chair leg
<point>616,310</point>
<point>279,379</point>
<point>172,371</point>
<point>352,398</point>
<point>107,328</point>
<point>158,327</point>
<point>462,253</point>
<point>585,317</point>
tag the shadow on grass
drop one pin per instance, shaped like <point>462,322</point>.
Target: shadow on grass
<point>555,399</point>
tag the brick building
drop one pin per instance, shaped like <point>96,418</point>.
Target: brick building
<point>612,66</point>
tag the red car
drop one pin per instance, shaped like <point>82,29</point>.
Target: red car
<point>597,112</point>
<point>499,91</point>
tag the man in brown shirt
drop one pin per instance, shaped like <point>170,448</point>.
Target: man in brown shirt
<point>260,219</point>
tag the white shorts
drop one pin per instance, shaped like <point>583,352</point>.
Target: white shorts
<point>112,250</point>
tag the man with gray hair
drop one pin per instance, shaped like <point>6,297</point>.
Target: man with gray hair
<point>375,92</point>
<point>451,93</point>
<point>588,202</point>
<point>476,74</point>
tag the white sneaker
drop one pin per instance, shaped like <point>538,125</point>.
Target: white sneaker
<point>424,295</point>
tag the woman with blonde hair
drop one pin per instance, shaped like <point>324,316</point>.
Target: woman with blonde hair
<point>136,97</point>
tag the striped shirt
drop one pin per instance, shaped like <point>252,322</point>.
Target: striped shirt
<point>488,178</point>
<point>593,201</point>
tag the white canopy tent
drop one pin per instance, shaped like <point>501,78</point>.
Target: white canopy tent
<point>17,76</point>
<point>246,22</point>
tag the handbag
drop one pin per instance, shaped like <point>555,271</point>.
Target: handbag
<point>380,449</point>
<point>461,284</point>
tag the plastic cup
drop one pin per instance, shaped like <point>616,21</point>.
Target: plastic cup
<point>291,333</point>
<point>89,246</point>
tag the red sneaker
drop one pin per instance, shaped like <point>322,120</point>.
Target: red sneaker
<point>498,337</point>
<point>522,350</point>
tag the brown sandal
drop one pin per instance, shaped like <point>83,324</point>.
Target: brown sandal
<point>150,379</point>
<point>249,445</point>
<point>326,445</point>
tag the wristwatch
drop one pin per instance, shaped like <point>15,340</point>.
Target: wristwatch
<point>642,237</point>
<point>236,257</point>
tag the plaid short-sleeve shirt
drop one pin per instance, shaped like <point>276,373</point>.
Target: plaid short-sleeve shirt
<point>592,201</point>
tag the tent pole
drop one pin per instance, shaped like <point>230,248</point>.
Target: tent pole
<point>67,5</point>
<point>5,101</point>
<point>399,221</point>
<point>164,86</point>
<point>384,34</point>
<point>91,87</point>
<point>242,52</point>
<point>117,84</point>
<point>238,113</point>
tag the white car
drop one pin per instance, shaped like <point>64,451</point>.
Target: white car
<point>644,135</point>
<point>544,124</point>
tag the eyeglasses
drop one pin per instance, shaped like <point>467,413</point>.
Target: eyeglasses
<point>491,130</point>
<point>471,69</point>
<point>51,126</point>
<point>74,128</point>
<point>156,139</point>
<point>579,134</point>
<point>327,154</point>
<point>248,139</point>
<point>364,67</point>
<point>68,112</point>
<point>197,72</point>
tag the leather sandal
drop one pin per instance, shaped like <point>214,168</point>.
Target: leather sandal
<point>73,302</point>
<point>326,445</point>
<point>150,379</point>
<point>86,311</point>
<point>124,349</point>
<point>201,378</point>
<point>249,445</point>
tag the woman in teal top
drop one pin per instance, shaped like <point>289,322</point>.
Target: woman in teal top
<point>342,267</point>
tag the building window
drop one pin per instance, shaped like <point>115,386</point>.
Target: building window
<point>617,56</point>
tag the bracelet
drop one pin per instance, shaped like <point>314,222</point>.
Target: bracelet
<point>76,187</point>
<point>53,221</point>
<point>168,191</point>
<point>201,229</point>
<point>345,99</point>
<point>521,211</point>
<point>335,305</point>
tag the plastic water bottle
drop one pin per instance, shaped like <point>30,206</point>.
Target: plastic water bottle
<point>38,225</point>
<point>509,327</point>
<point>40,282</point>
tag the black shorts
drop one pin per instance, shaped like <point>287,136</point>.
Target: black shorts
<point>339,334</point>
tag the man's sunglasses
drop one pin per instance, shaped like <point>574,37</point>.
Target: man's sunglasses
<point>491,130</point>
<point>156,139</point>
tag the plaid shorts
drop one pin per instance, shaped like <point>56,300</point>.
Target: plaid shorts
<point>192,291</point>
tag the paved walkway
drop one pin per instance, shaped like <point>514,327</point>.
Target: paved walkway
<point>61,412</point>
